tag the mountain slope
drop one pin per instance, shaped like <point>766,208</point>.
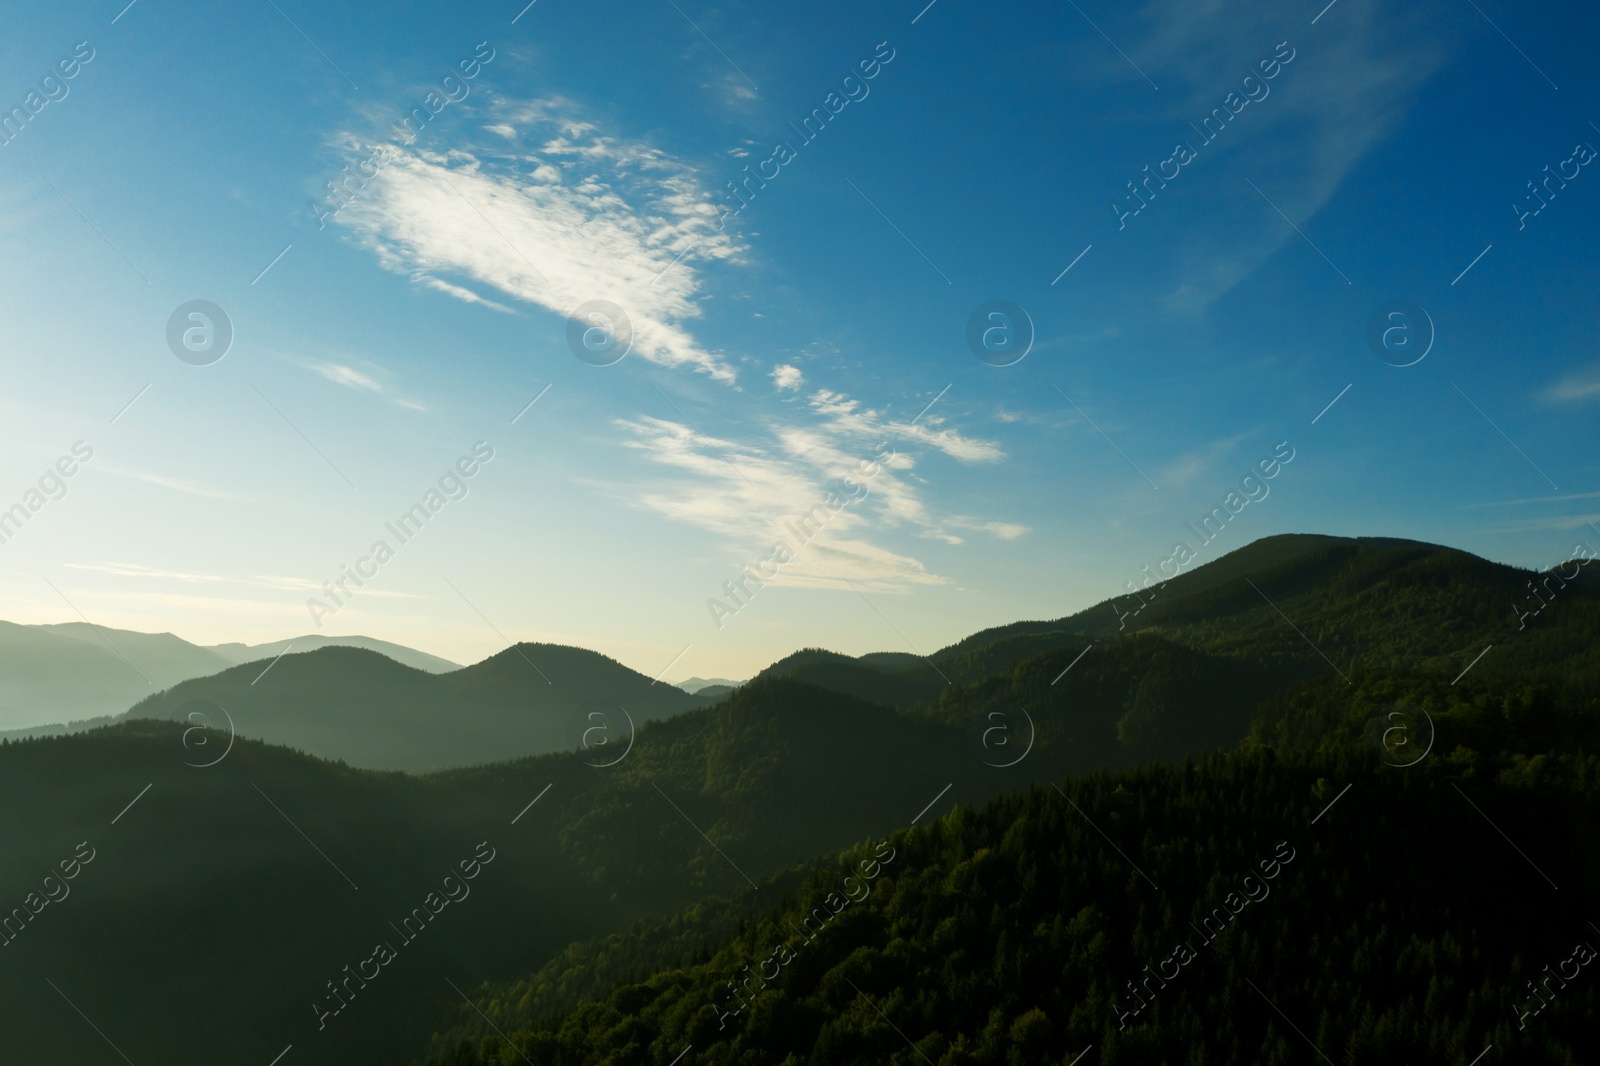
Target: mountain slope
<point>73,671</point>
<point>1246,915</point>
<point>1363,603</point>
<point>417,660</point>
<point>862,679</point>
<point>1289,604</point>
<point>232,878</point>
<point>58,673</point>
<point>365,709</point>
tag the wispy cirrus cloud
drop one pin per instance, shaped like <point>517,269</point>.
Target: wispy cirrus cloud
<point>190,577</point>
<point>1577,387</point>
<point>1536,499</point>
<point>351,378</point>
<point>749,492</point>
<point>1554,522</point>
<point>460,292</point>
<point>176,484</point>
<point>843,415</point>
<point>347,376</point>
<point>553,212</point>
<point>1348,87</point>
<point>1182,471</point>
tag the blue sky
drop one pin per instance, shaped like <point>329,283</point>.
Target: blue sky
<point>778,350</point>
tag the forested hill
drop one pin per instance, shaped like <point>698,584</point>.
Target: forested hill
<point>251,875</point>
<point>234,869</point>
<point>1409,926</point>
<point>1253,910</point>
<point>1367,604</point>
<point>364,708</point>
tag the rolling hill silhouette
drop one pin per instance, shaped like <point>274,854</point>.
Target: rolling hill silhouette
<point>55,675</point>
<point>1290,602</point>
<point>258,877</point>
<point>362,708</point>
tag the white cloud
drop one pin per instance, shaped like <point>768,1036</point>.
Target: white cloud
<point>460,293</point>
<point>1575,388</point>
<point>192,488</point>
<point>1202,460</point>
<point>846,415</point>
<point>562,215</point>
<point>140,570</point>
<point>266,581</point>
<point>1003,530</point>
<point>749,494</point>
<point>1556,522</point>
<point>348,377</point>
<point>1536,499</point>
<point>787,377</point>
<point>351,378</point>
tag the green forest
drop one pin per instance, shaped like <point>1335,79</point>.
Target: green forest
<point>1325,801</point>
<point>1402,927</point>
<point>1127,913</point>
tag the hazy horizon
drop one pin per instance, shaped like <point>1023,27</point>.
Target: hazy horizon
<point>677,674</point>
<point>1195,238</point>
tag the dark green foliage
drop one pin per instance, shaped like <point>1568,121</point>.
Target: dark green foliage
<point>1402,931</point>
<point>1370,605</point>
<point>1009,945</point>
<point>202,885</point>
<point>1007,934</point>
<point>891,681</point>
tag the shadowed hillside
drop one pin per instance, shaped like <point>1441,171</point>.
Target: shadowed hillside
<point>258,873</point>
<point>369,711</point>
<point>1252,913</point>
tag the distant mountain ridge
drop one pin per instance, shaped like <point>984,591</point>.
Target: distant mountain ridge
<point>1293,645</point>
<point>53,675</point>
<point>419,660</point>
<point>697,684</point>
<point>1176,666</point>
